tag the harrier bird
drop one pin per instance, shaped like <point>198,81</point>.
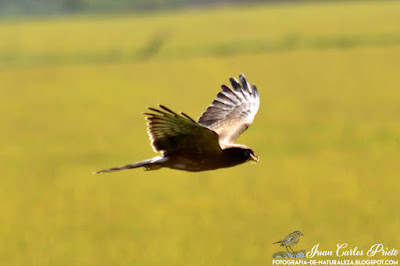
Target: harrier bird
<point>290,240</point>
<point>208,143</point>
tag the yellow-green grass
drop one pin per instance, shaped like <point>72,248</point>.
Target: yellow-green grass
<point>186,33</point>
<point>327,134</point>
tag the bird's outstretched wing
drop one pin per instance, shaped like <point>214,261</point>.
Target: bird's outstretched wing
<point>233,111</point>
<point>170,132</point>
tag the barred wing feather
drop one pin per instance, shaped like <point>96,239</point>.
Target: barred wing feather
<point>233,111</point>
<point>171,133</point>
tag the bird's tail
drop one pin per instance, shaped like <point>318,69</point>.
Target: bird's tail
<point>149,164</point>
<point>277,242</point>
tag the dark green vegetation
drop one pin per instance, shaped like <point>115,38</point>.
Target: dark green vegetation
<point>10,8</point>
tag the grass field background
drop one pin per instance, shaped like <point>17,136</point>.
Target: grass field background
<point>72,91</point>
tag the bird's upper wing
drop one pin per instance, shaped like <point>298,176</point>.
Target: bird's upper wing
<point>233,111</point>
<point>170,132</point>
<point>287,239</point>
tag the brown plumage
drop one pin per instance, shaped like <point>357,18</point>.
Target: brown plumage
<point>208,143</point>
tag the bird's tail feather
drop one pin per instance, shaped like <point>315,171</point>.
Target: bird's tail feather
<point>146,163</point>
<point>277,242</point>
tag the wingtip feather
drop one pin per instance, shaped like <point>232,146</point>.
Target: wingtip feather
<point>167,109</point>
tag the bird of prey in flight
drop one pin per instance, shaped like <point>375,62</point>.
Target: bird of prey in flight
<point>207,144</point>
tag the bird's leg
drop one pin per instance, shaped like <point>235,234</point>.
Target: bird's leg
<point>292,250</point>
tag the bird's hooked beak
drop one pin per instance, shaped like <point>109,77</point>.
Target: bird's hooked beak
<point>254,157</point>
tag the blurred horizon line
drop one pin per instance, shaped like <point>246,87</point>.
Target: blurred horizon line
<point>20,9</point>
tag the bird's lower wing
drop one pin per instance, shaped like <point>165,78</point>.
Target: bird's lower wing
<point>170,133</point>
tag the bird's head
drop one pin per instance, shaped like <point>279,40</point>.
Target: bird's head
<point>250,155</point>
<point>245,154</point>
<point>298,233</point>
<point>238,154</point>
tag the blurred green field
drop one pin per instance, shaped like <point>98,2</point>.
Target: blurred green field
<point>72,91</point>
